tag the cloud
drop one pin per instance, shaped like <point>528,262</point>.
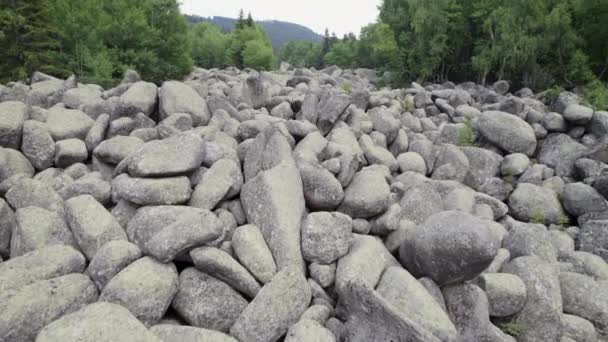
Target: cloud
<point>339,16</point>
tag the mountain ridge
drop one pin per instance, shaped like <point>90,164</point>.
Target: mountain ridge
<point>279,32</point>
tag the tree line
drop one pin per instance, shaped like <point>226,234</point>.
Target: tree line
<point>99,40</point>
<point>534,43</point>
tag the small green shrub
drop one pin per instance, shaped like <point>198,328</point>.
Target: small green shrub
<point>564,221</point>
<point>538,217</point>
<point>466,135</point>
<point>512,328</point>
<point>595,94</point>
<point>407,105</point>
<point>347,87</point>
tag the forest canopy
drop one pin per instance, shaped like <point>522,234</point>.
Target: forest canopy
<point>532,43</point>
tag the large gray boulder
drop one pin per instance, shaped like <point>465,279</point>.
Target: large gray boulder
<point>173,156</point>
<point>177,333</point>
<point>577,114</point>
<point>508,132</point>
<point>13,162</point>
<point>7,225</point>
<point>37,228</point>
<point>206,302</point>
<point>177,97</point>
<point>167,231</point>
<point>367,195</point>
<point>451,247</point>
<point>98,322</point>
<point>467,306</point>
<point>223,180</point>
<point>330,107</point>
<point>68,123</point>
<point>110,259</point>
<point>115,149</point>
<point>540,316</point>
<point>38,144</point>
<point>483,164</point>
<point>152,191</point>
<point>273,198</point>
<point>252,251</point>
<point>580,198</point>
<point>593,238</point>
<point>254,91</point>
<point>141,97</point>
<point>146,287</point>
<point>560,152</point>
<point>32,193</point>
<point>277,307</point>
<point>25,312</point>
<point>93,226</point>
<point>12,116</point>
<point>584,297</point>
<point>535,203</point>
<point>45,263</point>
<point>326,237</point>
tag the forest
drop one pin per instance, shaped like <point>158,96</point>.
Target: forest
<point>540,44</point>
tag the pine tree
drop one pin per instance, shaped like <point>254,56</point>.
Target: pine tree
<point>240,22</point>
<point>250,21</point>
<point>29,41</point>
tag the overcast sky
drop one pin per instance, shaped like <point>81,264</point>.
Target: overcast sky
<point>340,16</point>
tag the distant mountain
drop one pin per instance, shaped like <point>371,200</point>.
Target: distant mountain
<point>279,32</point>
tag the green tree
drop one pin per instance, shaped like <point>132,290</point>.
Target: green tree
<point>378,48</point>
<point>238,43</point>
<point>342,54</point>
<point>209,45</point>
<point>28,39</point>
<point>258,55</point>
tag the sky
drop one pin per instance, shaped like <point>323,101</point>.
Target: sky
<point>340,16</point>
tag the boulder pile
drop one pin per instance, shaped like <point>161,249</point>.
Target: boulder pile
<point>300,205</point>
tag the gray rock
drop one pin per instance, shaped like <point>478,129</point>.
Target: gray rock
<point>141,97</point>
<point>97,132</point>
<point>273,198</point>
<point>12,162</point>
<point>593,238</point>
<point>483,164</point>
<point>41,264</point>
<point>496,188</point>
<point>222,181</point>
<point>540,317</point>
<point>221,265</point>
<point>254,91</point>
<point>367,195</point>
<point>24,313</point>
<point>508,132</point>
<point>530,239</point>
<point>329,109</point>
<point>114,150</point>
<point>8,222</point>
<point>506,293</point>
<point>176,333</point>
<point>588,264</point>
<point>152,191</point>
<point>70,151</point>
<point>253,252</point>
<point>166,231</point>
<point>37,228</point>
<point>91,184</point>
<point>577,114</point>
<point>145,287</point>
<point>31,193</point>
<point>580,198</point>
<point>560,152</point>
<point>326,237</point>
<point>98,322</point>
<point>92,225</point>
<point>514,164</point>
<point>578,329</point>
<point>110,259</point>
<point>68,123</point>
<point>174,124</point>
<point>419,202</point>
<point>168,157</point>
<point>452,246</point>
<point>12,116</point>
<point>322,191</point>
<point>467,306</point>
<point>534,203</point>
<point>177,97</point>
<point>584,297</point>
<point>206,302</point>
<point>38,145</point>
<point>277,307</point>
<point>309,330</point>
<point>282,111</point>
<point>411,161</point>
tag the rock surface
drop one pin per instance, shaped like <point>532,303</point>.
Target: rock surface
<point>237,205</point>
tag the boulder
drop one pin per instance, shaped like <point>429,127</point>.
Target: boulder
<point>141,97</point>
<point>508,132</point>
<point>68,123</point>
<point>177,97</point>
<point>326,236</point>
<point>36,228</point>
<point>152,191</point>
<point>12,116</point>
